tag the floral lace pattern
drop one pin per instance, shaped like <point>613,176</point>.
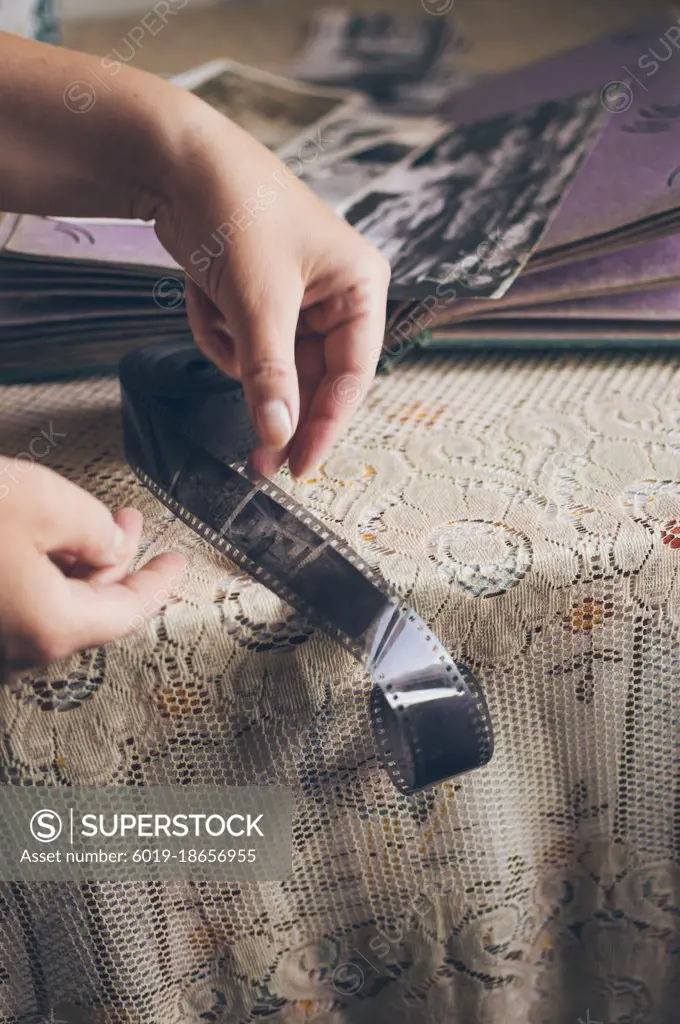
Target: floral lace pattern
<point>528,508</point>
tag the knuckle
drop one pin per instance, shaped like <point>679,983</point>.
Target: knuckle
<point>383,268</point>
<point>267,370</point>
<point>374,264</point>
<point>362,299</point>
<point>371,275</point>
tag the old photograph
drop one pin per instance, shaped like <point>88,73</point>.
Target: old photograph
<point>359,126</point>
<point>273,109</point>
<point>339,181</point>
<point>356,149</point>
<point>362,49</point>
<point>468,210</point>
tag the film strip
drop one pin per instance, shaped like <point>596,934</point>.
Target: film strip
<point>188,435</point>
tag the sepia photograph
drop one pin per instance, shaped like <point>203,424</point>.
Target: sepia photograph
<point>469,209</point>
<point>360,125</point>
<point>273,109</point>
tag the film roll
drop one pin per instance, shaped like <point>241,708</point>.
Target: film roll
<point>188,434</point>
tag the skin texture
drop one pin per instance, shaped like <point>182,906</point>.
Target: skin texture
<point>293,304</point>
<point>65,582</point>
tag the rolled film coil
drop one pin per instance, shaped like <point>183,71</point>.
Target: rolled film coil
<point>188,434</point>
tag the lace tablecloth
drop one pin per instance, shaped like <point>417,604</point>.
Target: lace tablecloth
<point>530,510</point>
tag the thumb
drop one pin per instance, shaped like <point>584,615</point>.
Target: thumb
<point>66,520</point>
<point>265,348</point>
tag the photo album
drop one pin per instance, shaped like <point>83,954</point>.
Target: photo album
<point>532,209</point>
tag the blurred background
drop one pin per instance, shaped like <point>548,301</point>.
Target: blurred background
<point>505,33</point>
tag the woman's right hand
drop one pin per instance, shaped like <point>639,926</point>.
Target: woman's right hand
<point>283,293</point>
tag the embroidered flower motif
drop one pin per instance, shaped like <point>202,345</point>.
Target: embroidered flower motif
<point>589,614</point>
<point>373,960</point>
<point>465,571</point>
<point>653,502</point>
<point>242,601</point>
<point>184,700</point>
<point>671,533</point>
<point>480,558</point>
<point>65,692</point>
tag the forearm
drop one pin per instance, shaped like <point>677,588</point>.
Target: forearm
<point>79,140</point>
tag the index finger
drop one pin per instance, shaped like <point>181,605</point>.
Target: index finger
<point>353,325</point>
<point>98,614</point>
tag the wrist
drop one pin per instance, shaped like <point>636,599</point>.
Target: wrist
<point>154,130</point>
<point>209,165</point>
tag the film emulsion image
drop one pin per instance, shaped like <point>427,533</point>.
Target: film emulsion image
<point>209,489</point>
<point>277,539</point>
<point>470,209</point>
<point>272,536</point>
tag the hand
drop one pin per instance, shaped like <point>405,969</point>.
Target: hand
<point>65,581</point>
<point>283,294</point>
<point>293,301</point>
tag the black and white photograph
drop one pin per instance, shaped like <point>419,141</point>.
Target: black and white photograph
<point>358,126</point>
<point>468,210</point>
<point>275,110</point>
<point>339,181</point>
<point>359,148</point>
<point>429,94</point>
<point>374,51</point>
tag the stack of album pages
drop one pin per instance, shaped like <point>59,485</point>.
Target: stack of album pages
<point>533,209</point>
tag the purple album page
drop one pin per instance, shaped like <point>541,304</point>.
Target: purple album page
<point>101,241</point>
<point>634,170</point>
<point>626,269</point>
<point>640,266</point>
<point>652,304</point>
<point>591,66</point>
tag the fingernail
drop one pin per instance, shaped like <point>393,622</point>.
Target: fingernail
<point>274,423</point>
